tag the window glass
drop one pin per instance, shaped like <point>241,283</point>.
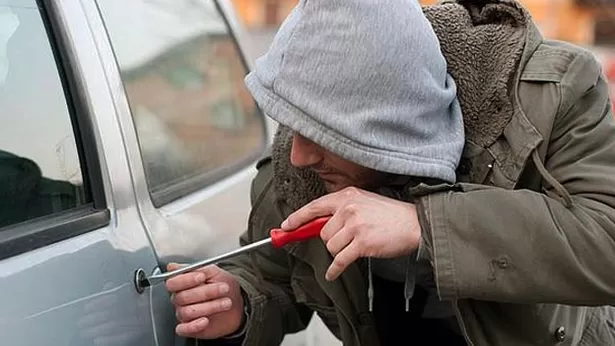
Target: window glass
<point>183,76</point>
<point>40,173</point>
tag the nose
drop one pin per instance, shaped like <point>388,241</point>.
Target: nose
<point>304,152</point>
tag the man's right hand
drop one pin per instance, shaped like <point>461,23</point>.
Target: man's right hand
<point>208,302</point>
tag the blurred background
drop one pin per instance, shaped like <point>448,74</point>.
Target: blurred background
<point>588,23</point>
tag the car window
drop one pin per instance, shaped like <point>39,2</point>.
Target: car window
<point>183,76</point>
<point>40,172</point>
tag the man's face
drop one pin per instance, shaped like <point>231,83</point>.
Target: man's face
<point>336,172</point>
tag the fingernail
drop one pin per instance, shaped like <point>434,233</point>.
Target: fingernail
<point>226,303</point>
<point>200,278</point>
<point>224,289</point>
<point>285,224</point>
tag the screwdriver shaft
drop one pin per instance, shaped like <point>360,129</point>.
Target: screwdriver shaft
<point>164,276</point>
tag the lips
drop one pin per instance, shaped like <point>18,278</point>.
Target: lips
<point>326,173</point>
<point>330,177</point>
<point>323,172</point>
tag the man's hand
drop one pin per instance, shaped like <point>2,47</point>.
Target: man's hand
<point>363,224</point>
<point>208,302</point>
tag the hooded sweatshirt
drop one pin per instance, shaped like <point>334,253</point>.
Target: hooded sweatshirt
<point>366,80</point>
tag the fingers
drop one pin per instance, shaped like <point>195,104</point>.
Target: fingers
<point>323,206</point>
<point>185,281</point>
<point>332,226</point>
<point>342,260</point>
<point>200,294</point>
<point>191,279</point>
<point>174,266</point>
<point>206,309</point>
<point>191,329</point>
<point>339,241</point>
<point>210,270</point>
<point>208,303</point>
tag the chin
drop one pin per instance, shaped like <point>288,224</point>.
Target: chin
<point>330,188</point>
<point>333,187</point>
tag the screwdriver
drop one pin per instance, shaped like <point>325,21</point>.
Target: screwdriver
<point>278,238</point>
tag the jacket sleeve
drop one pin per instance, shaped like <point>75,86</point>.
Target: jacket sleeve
<point>264,275</point>
<point>523,246</point>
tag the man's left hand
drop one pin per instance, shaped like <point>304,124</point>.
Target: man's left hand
<point>363,224</point>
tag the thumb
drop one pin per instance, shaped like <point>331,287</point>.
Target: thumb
<point>173,266</point>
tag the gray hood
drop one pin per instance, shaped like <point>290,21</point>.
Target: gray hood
<point>364,79</point>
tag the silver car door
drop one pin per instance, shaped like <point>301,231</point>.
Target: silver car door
<point>191,129</point>
<point>70,232</point>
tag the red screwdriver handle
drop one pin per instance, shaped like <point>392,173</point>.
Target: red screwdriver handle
<point>310,230</point>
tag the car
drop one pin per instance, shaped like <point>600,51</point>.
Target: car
<point>127,141</point>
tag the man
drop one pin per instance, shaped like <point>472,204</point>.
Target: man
<point>520,250</point>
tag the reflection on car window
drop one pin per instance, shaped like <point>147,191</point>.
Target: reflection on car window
<point>8,25</point>
<point>40,172</point>
<point>183,76</point>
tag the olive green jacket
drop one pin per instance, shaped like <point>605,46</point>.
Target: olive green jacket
<point>524,243</point>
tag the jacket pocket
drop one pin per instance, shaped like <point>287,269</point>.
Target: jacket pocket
<point>564,324</point>
<point>503,324</point>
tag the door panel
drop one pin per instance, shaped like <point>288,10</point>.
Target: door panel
<point>75,293</point>
<point>67,255</point>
